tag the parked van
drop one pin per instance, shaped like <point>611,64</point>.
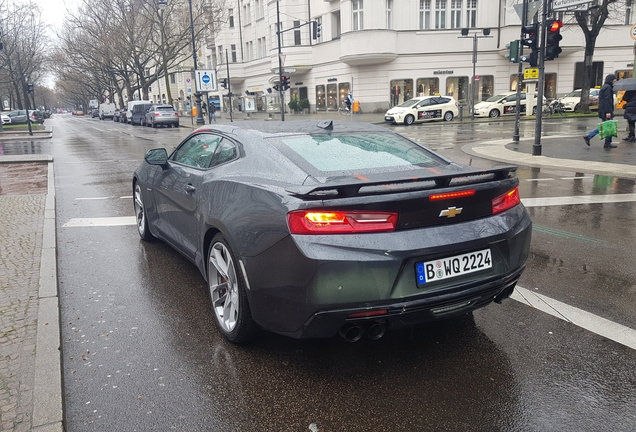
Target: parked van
<point>142,113</point>
<point>139,113</point>
<point>107,111</point>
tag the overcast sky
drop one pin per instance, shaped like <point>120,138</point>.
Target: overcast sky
<point>53,11</point>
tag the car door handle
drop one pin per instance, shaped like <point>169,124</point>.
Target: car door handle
<point>190,189</point>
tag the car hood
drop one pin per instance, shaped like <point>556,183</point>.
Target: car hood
<point>483,105</point>
<point>396,110</point>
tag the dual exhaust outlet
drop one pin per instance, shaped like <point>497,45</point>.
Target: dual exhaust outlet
<point>353,332</point>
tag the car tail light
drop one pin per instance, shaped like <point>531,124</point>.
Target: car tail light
<point>157,114</point>
<point>340,222</point>
<point>451,195</point>
<point>176,114</point>
<point>506,201</point>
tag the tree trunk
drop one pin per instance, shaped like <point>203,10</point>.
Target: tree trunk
<point>588,60</point>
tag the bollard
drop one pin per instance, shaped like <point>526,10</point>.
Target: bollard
<point>461,113</point>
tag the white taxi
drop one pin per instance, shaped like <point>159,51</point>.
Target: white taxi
<point>425,108</point>
<point>572,100</point>
<point>502,104</point>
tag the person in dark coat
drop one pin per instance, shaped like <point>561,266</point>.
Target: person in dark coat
<point>630,114</point>
<point>605,109</point>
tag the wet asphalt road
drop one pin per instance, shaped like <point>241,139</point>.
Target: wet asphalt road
<point>140,349</point>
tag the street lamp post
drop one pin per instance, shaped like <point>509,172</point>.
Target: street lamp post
<point>486,34</point>
<point>197,94</point>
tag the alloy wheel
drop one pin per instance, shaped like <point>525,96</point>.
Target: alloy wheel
<point>224,288</point>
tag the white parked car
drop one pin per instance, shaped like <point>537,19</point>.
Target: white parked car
<point>6,119</point>
<point>422,109</point>
<point>502,104</point>
<point>571,100</point>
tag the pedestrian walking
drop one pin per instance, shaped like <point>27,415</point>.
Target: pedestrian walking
<point>605,109</point>
<point>212,112</point>
<point>630,114</point>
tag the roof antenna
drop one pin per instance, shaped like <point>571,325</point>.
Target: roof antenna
<point>326,125</point>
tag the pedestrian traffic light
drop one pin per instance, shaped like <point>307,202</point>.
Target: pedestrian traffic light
<point>224,83</point>
<point>284,81</point>
<point>315,26</point>
<point>553,37</point>
<point>513,51</point>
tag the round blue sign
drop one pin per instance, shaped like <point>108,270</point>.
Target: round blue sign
<point>205,78</point>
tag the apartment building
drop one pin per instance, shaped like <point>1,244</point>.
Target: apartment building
<point>386,51</point>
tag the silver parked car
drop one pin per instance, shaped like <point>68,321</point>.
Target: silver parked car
<point>159,115</point>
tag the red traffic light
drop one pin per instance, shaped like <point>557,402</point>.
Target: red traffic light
<point>555,26</point>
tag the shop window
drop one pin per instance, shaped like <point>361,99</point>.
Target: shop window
<point>458,87</point>
<point>332,97</point>
<point>343,90</point>
<point>427,86</point>
<point>622,74</point>
<point>485,86</point>
<point>597,75</point>
<point>321,104</point>
<point>549,85</point>
<point>400,91</point>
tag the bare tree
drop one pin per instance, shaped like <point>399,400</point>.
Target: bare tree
<point>591,22</point>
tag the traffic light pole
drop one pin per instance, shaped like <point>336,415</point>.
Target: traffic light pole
<point>536,147</point>
<point>515,137</point>
<point>281,90</point>
<point>229,87</point>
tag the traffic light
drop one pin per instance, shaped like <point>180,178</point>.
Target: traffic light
<point>513,51</point>
<point>553,37</point>
<point>224,83</point>
<point>315,27</point>
<point>29,88</point>
<point>284,81</point>
<point>276,87</point>
<point>530,39</point>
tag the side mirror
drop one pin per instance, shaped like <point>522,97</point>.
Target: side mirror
<point>157,156</point>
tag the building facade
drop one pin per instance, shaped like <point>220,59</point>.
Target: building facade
<point>386,51</point>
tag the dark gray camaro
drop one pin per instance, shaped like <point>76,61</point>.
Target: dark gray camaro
<point>310,229</point>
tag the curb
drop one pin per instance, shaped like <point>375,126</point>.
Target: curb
<point>47,393</point>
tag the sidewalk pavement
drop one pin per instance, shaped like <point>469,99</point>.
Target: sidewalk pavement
<point>30,356</point>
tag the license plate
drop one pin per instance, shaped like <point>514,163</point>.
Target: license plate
<point>446,268</point>
<point>388,118</point>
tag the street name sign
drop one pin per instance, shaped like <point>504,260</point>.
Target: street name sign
<point>285,70</point>
<point>558,5</point>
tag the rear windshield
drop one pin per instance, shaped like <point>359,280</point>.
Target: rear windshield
<point>359,152</point>
<point>164,108</point>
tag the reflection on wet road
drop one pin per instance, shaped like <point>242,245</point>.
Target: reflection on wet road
<point>141,350</point>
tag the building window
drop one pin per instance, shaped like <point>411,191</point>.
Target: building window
<point>485,87</point>
<point>456,13</point>
<point>471,13</point>
<point>400,91</point>
<point>249,51</point>
<point>258,9</point>
<point>262,47</point>
<point>358,19</point>
<point>220,54</point>
<point>332,97</point>
<point>427,86</point>
<point>320,98</point>
<point>247,13</point>
<point>628,12</point>
<point>622,74</point>
<point>458,87</point>
<point>230,13</point>
<point>343,90</point>
<point>425,14</point>
<point>440,14</point>
<point>389,14</point>
<point>296,32</point>
<point>233,50</point>
<point>336,31</point>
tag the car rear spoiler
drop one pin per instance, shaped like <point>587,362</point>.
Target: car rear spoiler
<point>436,180</point>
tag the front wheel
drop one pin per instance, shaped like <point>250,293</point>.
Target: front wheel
<point>409,120</point>
<point>448,116</point>
<point>534,110</point>
<point>343,111</point>
<point>494,113</point>
<point>228,293</point>
<point>140,213</point>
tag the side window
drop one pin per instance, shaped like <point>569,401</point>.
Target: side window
<point>424,103</point>
<point>225,152</point>
<point>512,98</point>
<point>197,151</point>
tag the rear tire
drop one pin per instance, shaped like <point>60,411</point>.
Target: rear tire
<point>228,293</point>
<point>448,116</point>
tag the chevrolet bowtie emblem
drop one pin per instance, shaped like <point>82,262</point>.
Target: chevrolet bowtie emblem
<point>451,212</point>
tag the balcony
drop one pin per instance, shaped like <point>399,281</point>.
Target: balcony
<point>368,47</point>
<point>298,57</point>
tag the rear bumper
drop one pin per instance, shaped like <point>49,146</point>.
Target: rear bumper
<point>403,314</point>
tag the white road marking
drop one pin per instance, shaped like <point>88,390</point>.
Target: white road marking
<point>539,180</point>
<point>100,222</point>
<point>93,198</point>
<point>577,178</point>
<point>586,320</point>
<point>582,199</point>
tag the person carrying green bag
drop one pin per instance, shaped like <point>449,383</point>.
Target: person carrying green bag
<point>605,111</point>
